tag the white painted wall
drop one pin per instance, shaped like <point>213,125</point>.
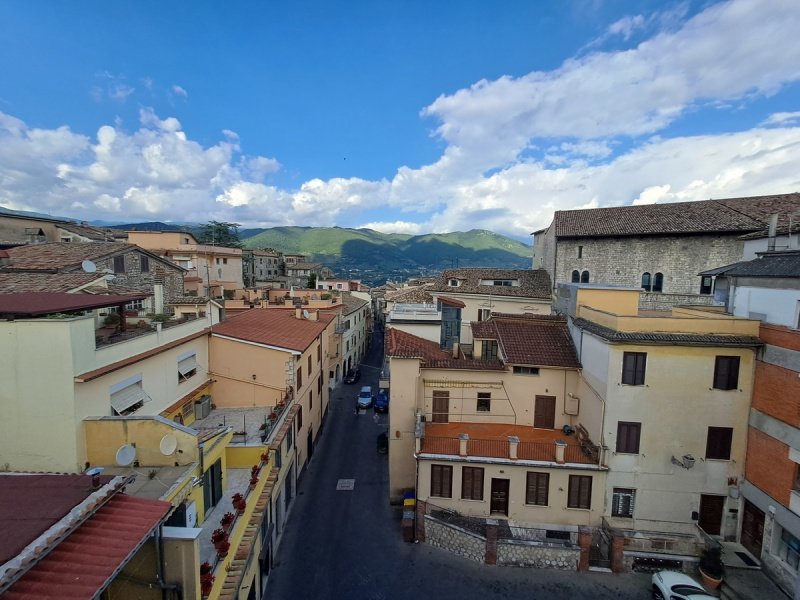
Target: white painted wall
<point>780,306</point>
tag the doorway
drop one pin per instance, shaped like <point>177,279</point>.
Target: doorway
<point>711,508</point>
<point>499,502</point>
<point>441,407</point>
<point>544,412</point>
<point>752,529</point>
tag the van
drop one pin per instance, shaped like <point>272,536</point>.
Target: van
<point>365,397</point>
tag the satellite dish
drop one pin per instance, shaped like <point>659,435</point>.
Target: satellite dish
<point>126,455</point>
<point>168,444</point>
<point>305,313</point>
<point>88,266</point>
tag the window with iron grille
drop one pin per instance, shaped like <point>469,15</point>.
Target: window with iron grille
<point>633,367</point>
<point>580,491</point>
<point>726,372</point>
<point>537,488</point>
<point>628,437</point>
<point>442,481</point>
<point>622,502</point>
<point>718,443</point>
<point>472,483</point>
<point>484,402</point>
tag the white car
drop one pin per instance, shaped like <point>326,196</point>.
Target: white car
<point>670,585</point>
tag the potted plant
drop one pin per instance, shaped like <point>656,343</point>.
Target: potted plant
<point>227,519</point>
<point>218,535</point>
<point>206,578</point>
<point>239,503</point>
<point>711,567</point>
<point>222,548</point>
<point>265,457</point>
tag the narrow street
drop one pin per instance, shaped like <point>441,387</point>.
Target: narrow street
<point>348,544</point>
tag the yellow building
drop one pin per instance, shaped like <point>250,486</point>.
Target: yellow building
<point>674,390</point>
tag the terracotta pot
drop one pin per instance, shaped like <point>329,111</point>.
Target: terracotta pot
<point>710,582</point>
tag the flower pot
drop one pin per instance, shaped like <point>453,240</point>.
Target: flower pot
<point>710,582</point>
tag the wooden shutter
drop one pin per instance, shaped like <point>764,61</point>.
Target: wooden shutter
<point>628,435</point>
<point>633,368</point>
<point>718,443</point>
<point>441,406</point>
<point>538,488</point>
<point>441,481</point>
<point>580,491</point>
<point>622,502</point>
<point>544,412</point>
<point>726,372</point>
<point>472,483</point>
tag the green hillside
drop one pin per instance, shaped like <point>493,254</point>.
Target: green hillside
<point>373,256</point>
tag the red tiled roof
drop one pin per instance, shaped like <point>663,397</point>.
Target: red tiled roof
<point>42,303</point>
<point>400,344</point>
<point>274,328</point>
<point>536,340</point>
<point>46,282</point>
<point>730,215</point>
<point>533,283</point>
<point>66,256</point>
<point>452,302</point>
<point>90,557</point>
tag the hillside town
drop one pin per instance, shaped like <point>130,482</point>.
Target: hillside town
<point>628,404</point>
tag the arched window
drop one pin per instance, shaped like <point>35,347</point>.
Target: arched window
<point>585,277</point>
<point>576,277</point>
<point>658,282</point>
<point>646,282</point>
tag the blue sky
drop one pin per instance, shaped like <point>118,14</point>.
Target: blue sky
<point>410,117</point>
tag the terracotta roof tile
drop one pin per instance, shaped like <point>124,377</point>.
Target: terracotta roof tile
<point>533,283</point>
<point>274,328</point>
<point>411,295</point>
<point>46,282</point>
<point>88,559</point>
<point>536,340</point>
<point>66,256</point>
<point>729,215</point>
<point>670,339</point>
<point>42,303</point>
<point>400,344</point>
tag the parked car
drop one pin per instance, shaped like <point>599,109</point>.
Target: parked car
<point>364,397</point>
<point>382,401</point>
<point>671,585</point>
<point>353,375</point>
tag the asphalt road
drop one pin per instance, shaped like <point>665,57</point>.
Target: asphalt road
<point>348,543</point>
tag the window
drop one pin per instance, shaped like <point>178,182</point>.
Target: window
<point>135,305</point>
<point>526,370</point>
<point>503,282</point>
<point>224,261</point>
<point>484,402</point>
<point>319,352</point>
<point>289,438</point>
<point>658,282</point>
<point>718,443</point>
<point>489,349</point>
<point>187,366</point>
<point>128,396</point>
<point>299,378</point>
<point>706,284</point>
<point>119,264</point>
<point>452,282</point>
<point>628,437</point>
<point>580,251</point>
<point>622,502</point>
<point>310,399</point>
<point>442,481</point>
<point>580,491</point>
<point>66,239</point>
<point>300,417</point>
<point>585,277</point>
<point>789,549</point>
<point>484,314</point>
<point>472,483</point>
<point>646,284</point>
<point>537,488</point>
<point>633,367</point>
<point>309,364</point>
<point>144,264</point>
<point>576,277</point>
<point>726,372</point>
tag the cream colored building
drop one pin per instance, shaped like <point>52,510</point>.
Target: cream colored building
<point>674,388</point>
<point>211,269</point>
<point>56,372</point>
<point>498,435</point>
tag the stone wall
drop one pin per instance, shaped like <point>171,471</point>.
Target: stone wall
<point>455,540</point>
<point>170,276</point>
<point>657,301</point>
<point>622,261</point>
<point>541,556</point>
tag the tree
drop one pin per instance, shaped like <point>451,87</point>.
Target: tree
<point>312,282</point>
<point>220,233</point>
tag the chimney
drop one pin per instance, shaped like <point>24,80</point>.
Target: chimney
<point>456,349</point>
<point>513,443</point>
<point>313,315</point>
<point>463,438</point>
<point>773,229</point>
<point>561,446</point>
<point>298,313</point>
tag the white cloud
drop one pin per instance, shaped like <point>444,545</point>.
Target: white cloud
<point>405,227</point>
<point>782,118</point>
<point>626,26</point>
<point>179,91</point>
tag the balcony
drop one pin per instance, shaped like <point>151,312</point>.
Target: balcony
<point>512,442</point>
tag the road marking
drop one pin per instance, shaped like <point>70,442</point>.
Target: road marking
<point>345,484</point>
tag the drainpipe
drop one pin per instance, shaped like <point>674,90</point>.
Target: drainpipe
<point>165,587</point>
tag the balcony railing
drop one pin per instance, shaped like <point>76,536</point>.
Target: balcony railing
<point>559,452</point>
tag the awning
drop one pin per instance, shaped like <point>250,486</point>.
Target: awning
<point>127,397</point>
<point>187,365</point>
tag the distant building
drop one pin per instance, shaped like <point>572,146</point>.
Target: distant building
<point>262,266</point>
<point>661,248</point>
<point>17,229</point>
<point>298,273</point>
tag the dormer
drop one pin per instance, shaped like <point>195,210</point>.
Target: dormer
<point>453,282</point>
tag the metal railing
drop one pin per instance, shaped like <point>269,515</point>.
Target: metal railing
<point>539,451</point>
